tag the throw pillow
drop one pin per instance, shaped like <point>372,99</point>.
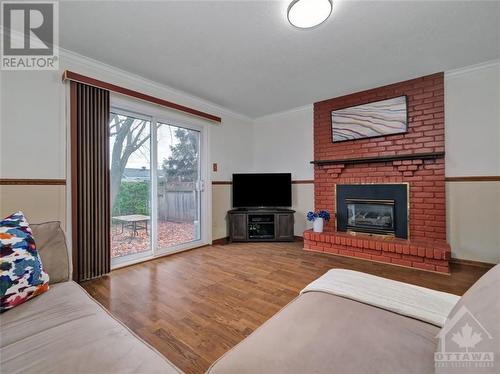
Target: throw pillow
<point>21,274</point>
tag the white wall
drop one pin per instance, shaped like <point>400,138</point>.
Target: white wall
<point>472,112</point>
<point>33,134</point>
<point>33,129</point>
<point>283,142</point>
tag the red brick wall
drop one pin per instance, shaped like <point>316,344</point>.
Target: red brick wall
<point>425,134</point>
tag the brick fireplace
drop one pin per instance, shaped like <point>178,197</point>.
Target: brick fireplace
<point>414,159</point>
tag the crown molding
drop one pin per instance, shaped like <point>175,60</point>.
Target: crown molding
<point>77,58</point>
<point>471,68</point>
<point>449,73</point>
<point>284,112</point>
<point>140,80</point>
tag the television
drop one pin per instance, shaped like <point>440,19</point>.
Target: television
<point>268,190</point>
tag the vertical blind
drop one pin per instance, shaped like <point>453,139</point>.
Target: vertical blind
<point>90,181</point>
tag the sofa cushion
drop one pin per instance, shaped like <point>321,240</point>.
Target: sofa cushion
<point>323,333</point>
<point>479,308</point>
<point>66,331</point>
<point>51,244</point>
<point>22,276</point>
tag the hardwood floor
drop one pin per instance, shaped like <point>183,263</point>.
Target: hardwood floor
<point>194,306</point>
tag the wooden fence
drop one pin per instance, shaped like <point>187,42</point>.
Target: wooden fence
<point>177,202</point>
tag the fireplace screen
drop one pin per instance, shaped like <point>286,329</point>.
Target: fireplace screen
<point>376,216</point>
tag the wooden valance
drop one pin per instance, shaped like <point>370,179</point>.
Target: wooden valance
<point>75,77</point>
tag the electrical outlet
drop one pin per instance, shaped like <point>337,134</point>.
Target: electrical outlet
<point>214,166</point>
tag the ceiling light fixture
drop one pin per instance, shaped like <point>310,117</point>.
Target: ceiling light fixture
<point>305,14</point>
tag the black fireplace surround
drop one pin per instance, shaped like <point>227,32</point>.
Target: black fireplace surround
<point>373,208</point>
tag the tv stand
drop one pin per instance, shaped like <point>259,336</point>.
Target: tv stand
<point>260,224</point>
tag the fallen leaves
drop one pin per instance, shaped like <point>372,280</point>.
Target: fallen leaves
<point>169,234</point>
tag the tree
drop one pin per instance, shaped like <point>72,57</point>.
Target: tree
<point>128,135</point>
<point>182,165</point>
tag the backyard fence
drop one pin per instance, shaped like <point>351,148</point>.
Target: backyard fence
<point>177,206</point>
<point>177,201</point>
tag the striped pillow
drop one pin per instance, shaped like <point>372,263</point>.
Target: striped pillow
<point>21,273</point>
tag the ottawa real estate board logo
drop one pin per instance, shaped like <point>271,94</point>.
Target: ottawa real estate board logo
<point>30,35</point>
<point>465,343</point>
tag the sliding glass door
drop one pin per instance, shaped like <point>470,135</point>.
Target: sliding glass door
<point>130,185</point>
<point>156,186</point>
<point>178,186</point>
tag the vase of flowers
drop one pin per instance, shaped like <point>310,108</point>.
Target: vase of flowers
<point>317,218</point>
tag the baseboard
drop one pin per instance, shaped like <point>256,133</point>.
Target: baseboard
<point>221,241</point>
<point>224,241</point>
<point>459,261</point>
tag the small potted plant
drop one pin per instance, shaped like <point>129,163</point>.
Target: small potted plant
<point>317,219</point>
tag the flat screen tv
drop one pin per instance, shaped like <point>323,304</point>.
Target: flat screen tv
<point>262,190</point>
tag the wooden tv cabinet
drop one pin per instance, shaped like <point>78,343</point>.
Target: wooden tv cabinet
<point>259,225</point>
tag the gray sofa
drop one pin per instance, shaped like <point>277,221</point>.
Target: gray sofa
<point>323,333</point>
<point>66,331</point>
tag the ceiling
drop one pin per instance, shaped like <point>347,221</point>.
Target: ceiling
<point>245,56</point>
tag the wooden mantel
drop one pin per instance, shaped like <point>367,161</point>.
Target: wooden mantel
<point>367,160</point>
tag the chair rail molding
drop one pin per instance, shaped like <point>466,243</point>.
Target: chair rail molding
<point>32,182</point>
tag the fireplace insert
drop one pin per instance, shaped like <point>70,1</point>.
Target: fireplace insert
<point>375,216</point>
<point>373,208</point>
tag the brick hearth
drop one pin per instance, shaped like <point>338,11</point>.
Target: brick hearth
<point>421,254</point>
<point>426,247</point>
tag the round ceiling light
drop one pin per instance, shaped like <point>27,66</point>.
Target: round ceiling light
<point>305,14</point>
